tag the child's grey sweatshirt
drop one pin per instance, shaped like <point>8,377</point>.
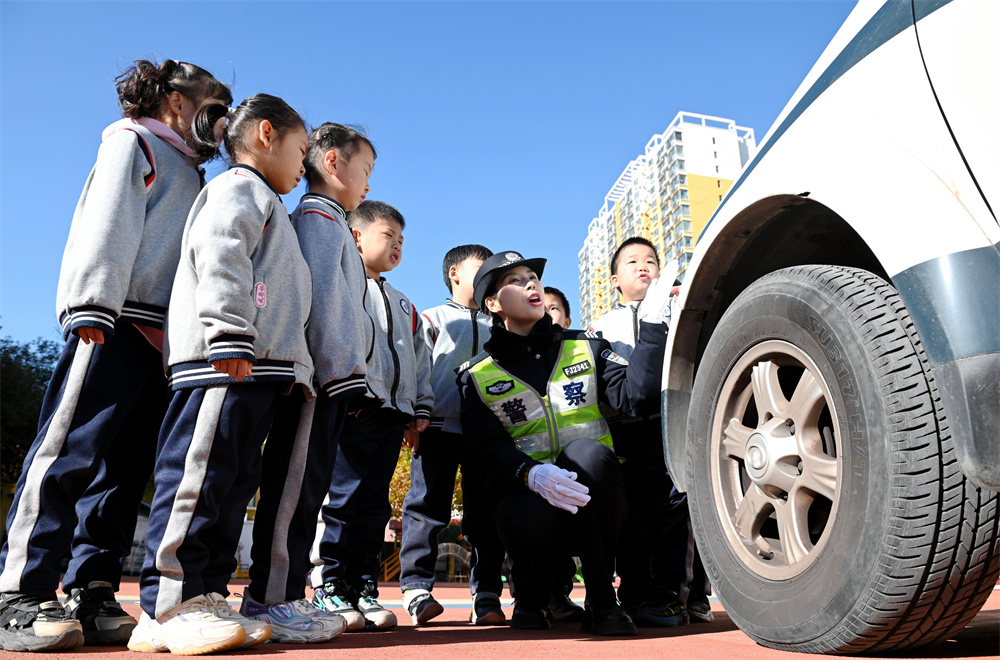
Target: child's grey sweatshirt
<point>341,332</point>
<point>242,289</point>
<point>400,373</point>
<point>456,334</point>
<point>125,239</point>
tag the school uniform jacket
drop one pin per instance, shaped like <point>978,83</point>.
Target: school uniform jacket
<point>341,331</point>
<point>399,374</point>
<point>455,333</point>
<point>631,387</point>
<point>242,290</point>
<point>124,242</point>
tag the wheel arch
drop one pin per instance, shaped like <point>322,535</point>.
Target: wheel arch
<point>779,231</point>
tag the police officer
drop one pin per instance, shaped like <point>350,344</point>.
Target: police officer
<point>530,410</point>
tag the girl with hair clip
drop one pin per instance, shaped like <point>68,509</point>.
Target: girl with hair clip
<point>337,166</point>
<point>90,463</point>
<point>235,348</point>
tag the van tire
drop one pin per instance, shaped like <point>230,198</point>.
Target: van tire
<point>847,527</point>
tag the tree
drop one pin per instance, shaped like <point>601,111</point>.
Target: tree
<point>25,370</point>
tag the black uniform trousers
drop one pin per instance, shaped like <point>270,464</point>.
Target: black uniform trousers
<point>539,537</point>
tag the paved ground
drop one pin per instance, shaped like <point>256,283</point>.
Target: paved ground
<point>451,636</point>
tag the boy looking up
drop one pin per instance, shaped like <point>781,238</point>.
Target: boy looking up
<point>347,552</point>
<point>653,549</point>
<point>456,331</point>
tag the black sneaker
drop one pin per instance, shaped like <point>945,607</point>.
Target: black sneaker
<point>529,619</point>
<point>486,610</point>
<point>607,622</point>
<point>421,605</point>
<point>699,609</point>
<point>103,619</point>
<point>36,621</point>
<point>564,610</point>
<point>663,616</point>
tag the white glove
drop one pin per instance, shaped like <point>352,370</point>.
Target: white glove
<point>559,487</point>
<point>654,306</point>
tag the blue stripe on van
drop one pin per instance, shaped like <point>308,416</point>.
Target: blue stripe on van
<point>894,17</point>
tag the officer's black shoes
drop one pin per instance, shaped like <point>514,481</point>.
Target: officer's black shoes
<point>529,619</point>
<point>699,609</point>
<point>564,610</point>
<point>607,622</point>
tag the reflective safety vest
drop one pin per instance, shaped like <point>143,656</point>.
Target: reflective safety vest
<point>542,425</point>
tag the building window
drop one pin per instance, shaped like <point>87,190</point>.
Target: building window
<point>713,140</point>
<point>715,154</point>
<point>716,169</point>
<point>685,209</point>
<point>720,198</point>
<point>718,183</point>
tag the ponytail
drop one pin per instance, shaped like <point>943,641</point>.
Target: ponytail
<point>144,86</point>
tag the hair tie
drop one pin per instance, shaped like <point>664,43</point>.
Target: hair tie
<point>230,112</point>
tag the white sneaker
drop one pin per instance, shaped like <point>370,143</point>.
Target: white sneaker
<point>295,621</point>
<point>332,599</point>
<point>191,628</point>
<point>376,616</point>
<point>257,632</point>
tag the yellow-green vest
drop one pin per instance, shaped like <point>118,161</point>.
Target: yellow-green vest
<point>542,425</point>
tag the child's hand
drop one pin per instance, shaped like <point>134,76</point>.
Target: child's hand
<point>411,439</point>
<point>420,425</point>
<point>91,334</point>
<point>238,369</point>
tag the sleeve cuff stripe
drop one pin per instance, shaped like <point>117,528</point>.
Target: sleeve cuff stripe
<point>236,344</point>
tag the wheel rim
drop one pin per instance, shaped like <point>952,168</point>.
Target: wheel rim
<point>775,455</point>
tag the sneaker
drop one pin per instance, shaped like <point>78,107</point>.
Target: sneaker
<point>103,619</point>
<point>376,616</point>
<point>665,616</point>
<point>525,618</point>
<point>607,622</point>
<point>486,610</point>
<point>332,599</point>
<point>563,610</point>
<point>36,621</point>
<point>421,606</point>
<point>699,609</point>
<point>294,621</point>
<point>191,628</point>
<point>257,632</point>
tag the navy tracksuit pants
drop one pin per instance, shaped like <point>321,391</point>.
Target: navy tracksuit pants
<point>353,519</point>
<point>539,537</point>
<point>208,466</point>
<point>86,471</point>
<point>653,553</point>
<point>427,511</point>
<point>303,437</point>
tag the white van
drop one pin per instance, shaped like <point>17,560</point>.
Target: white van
<point>831,392</point>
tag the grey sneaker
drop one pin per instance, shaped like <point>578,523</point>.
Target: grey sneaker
<point>104,621</point>
<point>421,606</point>
<point>36,621</point>
<point>666,616</point>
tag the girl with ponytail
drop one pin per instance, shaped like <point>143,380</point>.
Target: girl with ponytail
<point>86,472</point>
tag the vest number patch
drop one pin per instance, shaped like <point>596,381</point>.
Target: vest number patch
<point>500,387</point>
<point>577,368</point>
<point>260,295</point>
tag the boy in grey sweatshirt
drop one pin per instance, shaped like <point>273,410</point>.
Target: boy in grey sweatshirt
<point>456,331</point>
<point>346,555</point>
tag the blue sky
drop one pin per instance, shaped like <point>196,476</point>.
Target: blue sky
<point>501,123</point>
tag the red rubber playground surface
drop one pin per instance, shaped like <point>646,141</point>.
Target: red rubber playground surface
<point>451,636</point>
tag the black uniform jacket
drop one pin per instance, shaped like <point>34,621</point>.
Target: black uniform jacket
<point>631,387</point>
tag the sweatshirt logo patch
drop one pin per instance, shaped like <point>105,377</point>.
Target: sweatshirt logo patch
<point>260,295</point>
<point>500,387</point>
<point>577,368</point>
<point>611,356</point>
<point>405,305</point>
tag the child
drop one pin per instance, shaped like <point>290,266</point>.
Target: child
<point>93,454</point>
<point>235,343</point>
<point>340,334</point>
<point>347,550</point>
<point>652,554</point>
<point>456,331</point>
<point>549,454</point>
